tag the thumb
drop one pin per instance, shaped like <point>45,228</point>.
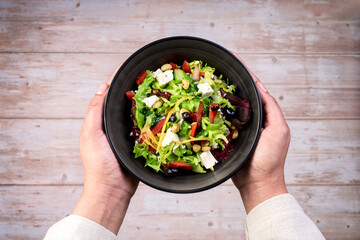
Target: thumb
<point>94,117</point>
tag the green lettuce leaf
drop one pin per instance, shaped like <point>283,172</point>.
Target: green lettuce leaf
<point>194,162</point>
<point>184,129</point>
<point>143,89</point>
<point>141,150</point>
<point>214,132</point>
<point>153,162</point>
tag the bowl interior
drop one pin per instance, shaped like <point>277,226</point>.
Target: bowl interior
<point>117,110</point>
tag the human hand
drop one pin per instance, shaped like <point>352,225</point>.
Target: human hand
<point>108,188</point>
<point>262,177</point>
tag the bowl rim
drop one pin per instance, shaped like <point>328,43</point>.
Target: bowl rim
<point>216,183</point>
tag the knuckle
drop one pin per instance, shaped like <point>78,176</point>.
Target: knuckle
<point>286,131</point>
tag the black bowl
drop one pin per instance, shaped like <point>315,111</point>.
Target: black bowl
<point>152,56</point>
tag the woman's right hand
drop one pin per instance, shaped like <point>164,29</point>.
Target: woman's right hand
<point>262,177</point>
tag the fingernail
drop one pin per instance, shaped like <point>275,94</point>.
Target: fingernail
<point>102,89</point>
<point>262,87</point>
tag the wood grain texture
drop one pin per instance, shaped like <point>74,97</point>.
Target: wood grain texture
<point>54,54</point>
<point>237,11</point>
<point>47,101</point>
<point>46,152</point>
<point>61,85</point>
<point>129,36</point>
<point>176,215</point>
<point>277,26</point>
<point>278,70</point>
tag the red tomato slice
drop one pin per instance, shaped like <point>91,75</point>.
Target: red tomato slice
<point>157,128</point>
<point>166,95</point>
<point>164,167</point>
<point>201,74</point>
<point>141,78</point>
<point>193,116</point>
<point>193,129</point>
<point>130,95</point>
<point>179,164</point>
<point>173,65</point>
<point>186,67</point>
<point>151,149</point>
<point>213,109</point>
<point>199,114</point>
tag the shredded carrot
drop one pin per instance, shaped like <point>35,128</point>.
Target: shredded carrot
<point>168,154</point>
<point>151,136</point>
<point>167,119</point>
<point>149,143</point>
<point>192,140</point>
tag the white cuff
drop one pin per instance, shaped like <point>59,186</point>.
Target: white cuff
<point>75,227</point>
<point>280,217</point>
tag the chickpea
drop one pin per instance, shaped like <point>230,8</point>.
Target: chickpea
<point>185,84</point>
<point>166,67</point>
<point>175,128</point>
<point>157,104</point>
<point>205,149</point>
<point>235,134</point>
<point>196,147</point>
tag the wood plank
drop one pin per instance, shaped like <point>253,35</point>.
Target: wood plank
<point>46,152</point>
<point>31,210</point>
<point>244,11</point>
<point>306,52</point>
<point>67,100</point>
<point>128,36</point>
<point>66,82</point>
<point>314,71</point>
<point>311,70</point>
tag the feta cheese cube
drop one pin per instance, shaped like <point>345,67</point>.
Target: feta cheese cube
<point>149,101</point>
<point>163,77</point>
<point>205,89</point>
<point>157,72</point>
<point>207,159</point>
<point>169,138</point>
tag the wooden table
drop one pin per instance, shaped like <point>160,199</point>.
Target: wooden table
<point>54,54</point>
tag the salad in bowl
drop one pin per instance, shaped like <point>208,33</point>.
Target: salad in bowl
<point>185,118</point>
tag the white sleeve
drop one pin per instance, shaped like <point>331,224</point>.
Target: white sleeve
<point>78,228</point>
<point>280,217</point>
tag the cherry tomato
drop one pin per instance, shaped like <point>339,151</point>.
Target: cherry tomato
<point>173,65</point>
<point>130,95</point>
<point>186,67</point>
